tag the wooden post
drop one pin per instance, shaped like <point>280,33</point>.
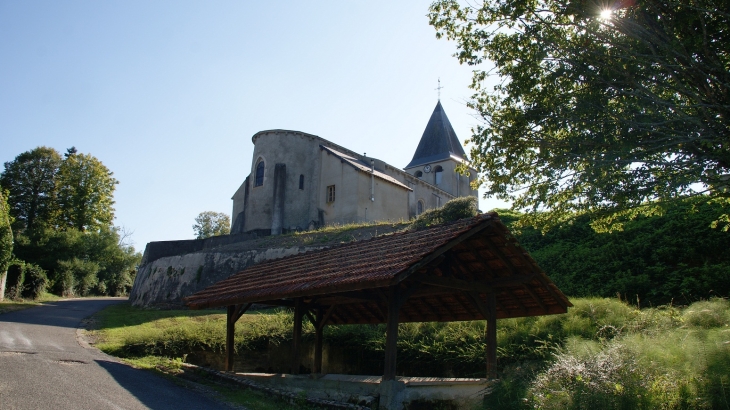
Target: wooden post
<point>318,330</point>
<point>233,313</point>
<point>491,335</point>
<point>297,336</point>
<point>391,335</point>
<point>230,327</point>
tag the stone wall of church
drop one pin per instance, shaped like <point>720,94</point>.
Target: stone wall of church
<point>353,195</point>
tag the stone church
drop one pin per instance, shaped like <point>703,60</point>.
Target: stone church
<point>300,181</point>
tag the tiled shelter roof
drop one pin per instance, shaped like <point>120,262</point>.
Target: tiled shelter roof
<point>446,270</point>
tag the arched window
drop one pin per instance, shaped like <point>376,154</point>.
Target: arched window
<point>259,180</point>
<point>439,172</point>
<point>419,174</point>
<point>419,209</point>
<point>301,181</point>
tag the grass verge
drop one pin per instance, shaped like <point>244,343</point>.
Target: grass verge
<point>20,304</point>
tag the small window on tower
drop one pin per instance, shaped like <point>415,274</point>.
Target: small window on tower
<point>439,172</point>
<point>259,180</point>
<point>330,194</point>
<point>420,207</point>
<point>419,174</point>
<point>301,181</point>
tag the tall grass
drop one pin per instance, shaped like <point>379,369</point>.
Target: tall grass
<point>663,358</point>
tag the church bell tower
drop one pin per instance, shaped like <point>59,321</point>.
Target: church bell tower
<point>438,154</point>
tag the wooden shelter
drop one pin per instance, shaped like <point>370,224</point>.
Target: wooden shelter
<point>471,269</point>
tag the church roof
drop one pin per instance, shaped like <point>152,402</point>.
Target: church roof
<point>438,142</point>
<point>364,167</point>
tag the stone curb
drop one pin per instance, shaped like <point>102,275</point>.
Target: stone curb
<point>291,398</point>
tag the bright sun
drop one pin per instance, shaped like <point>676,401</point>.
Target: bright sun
<point>606,14</point>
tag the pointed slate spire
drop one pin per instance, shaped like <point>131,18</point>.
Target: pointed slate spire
<point>439,140</point>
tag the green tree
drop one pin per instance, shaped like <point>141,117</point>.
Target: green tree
<point>605,112</point>
<point>210,223</point>
<point>30,180</point>
<point>6,242</point>
<point>85,192</point>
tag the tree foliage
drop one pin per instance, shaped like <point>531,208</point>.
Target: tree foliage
<point>6,235</point>
<point>610,113</point>
<point>65,213</point>
<point>211,223</point>
<point>85,192</point>
<point>6,242</point>
<point>30,180</point>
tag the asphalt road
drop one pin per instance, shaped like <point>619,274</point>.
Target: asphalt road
<point>43,366</point>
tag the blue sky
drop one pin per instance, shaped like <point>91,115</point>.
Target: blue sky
<point>168,94</point>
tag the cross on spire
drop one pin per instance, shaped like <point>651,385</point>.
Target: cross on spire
<point>439,89</point>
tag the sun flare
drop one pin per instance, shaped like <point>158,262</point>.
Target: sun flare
<point>606,14</point>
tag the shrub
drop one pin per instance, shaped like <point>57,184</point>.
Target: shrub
<point>608,379</point>
<point>36,281</point>
<point>76,276</point>
<point>708,314</point>
<point>15,278</point>
<point>458,208</point>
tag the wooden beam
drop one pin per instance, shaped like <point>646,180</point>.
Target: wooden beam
<point>297,336</point>
<point>458,266</point>
<point>435,312</point>
<point>453,283</point>
<point>514,280</point>
<point>480,305</point>
<point>492,336</point>
<point>395,300</point>
<point>535,297</point>
<point>230,332</point>
<point>446,307</point>
<point>371,296</point>
<point>440,251</point>
<point>240,310</point>
<point>550,290</point>
<point>355,313</point>
<point>326,316</point>
<point>538,275</point>
<point>377,313</point>
<point>458,300</point>
<point>517,301</point>
<point>318,331</point>
<point>501,306</point>
<point>425,313</point>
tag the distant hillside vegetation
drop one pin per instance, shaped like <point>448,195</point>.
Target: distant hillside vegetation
<point>676,257</point>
